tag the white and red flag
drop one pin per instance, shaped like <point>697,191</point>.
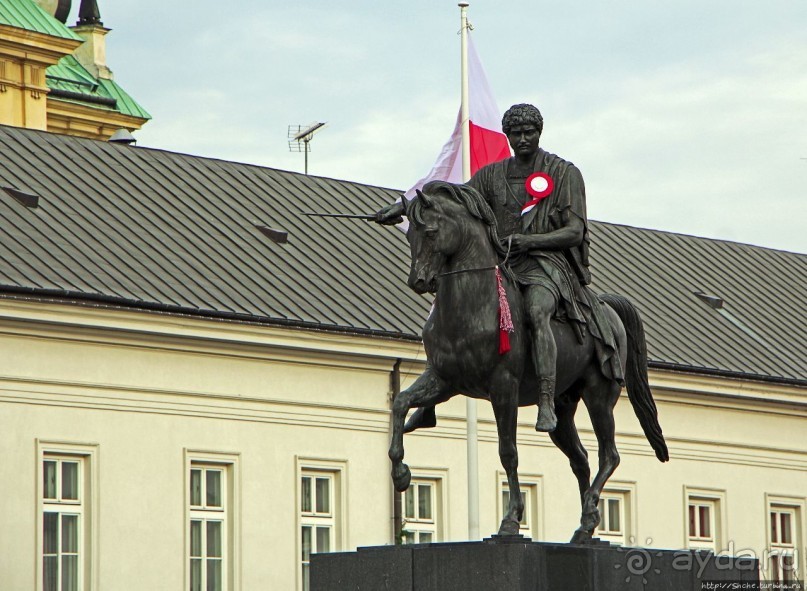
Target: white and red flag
<point>488,143</point>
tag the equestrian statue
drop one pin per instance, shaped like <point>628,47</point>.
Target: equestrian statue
<point>514,321</point>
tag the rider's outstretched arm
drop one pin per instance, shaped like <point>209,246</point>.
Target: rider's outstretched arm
<point>391,214</point>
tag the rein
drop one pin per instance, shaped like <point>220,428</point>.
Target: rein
<point>490,268</point>
<point>468,270</point>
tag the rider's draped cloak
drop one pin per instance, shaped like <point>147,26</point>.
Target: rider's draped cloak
<point>565,273</point>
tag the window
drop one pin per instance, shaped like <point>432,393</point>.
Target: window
<point>321,511</point>
<point>211,523</point>
<point>318,523</point>
<point>528,526</point>
<point>617,514</point>
<point>704,519</point>
<point>784,534</point>
<point>208,527</point>
<point>65,519</point>
<point>612,520</point>
<point>420,512</point>
<point>62,522</point>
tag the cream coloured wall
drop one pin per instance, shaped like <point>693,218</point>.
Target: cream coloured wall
<point>146,387</point>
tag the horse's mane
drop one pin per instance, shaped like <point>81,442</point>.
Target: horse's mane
<point>466,196</point>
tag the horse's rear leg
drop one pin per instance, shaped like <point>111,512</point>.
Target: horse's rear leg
<point>505,408</point>
<point>567,440</point>
<point>428,390</point>
<point>600,401</point>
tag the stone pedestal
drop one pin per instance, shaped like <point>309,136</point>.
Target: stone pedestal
<point>517,564</point>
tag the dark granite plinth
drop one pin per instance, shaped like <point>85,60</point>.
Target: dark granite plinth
<point>521,565</point>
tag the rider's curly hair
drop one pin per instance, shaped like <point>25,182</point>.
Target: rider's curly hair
<point>522,114</point>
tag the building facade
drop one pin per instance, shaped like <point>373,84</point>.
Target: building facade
<point>186,402</point>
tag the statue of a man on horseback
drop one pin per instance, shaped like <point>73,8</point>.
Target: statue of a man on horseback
<point>507,253</point>
<point>547,242</point>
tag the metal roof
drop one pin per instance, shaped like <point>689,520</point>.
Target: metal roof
<point>82,87</point>
<point>124,101</point>
<point>27,14</point>
<point>160,230</point>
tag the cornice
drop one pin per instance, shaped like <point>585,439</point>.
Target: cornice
<point>102,324</point>
<point>124,326</point>
<point>45,48</point>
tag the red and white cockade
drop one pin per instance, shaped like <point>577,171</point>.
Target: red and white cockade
<point>539,185</point>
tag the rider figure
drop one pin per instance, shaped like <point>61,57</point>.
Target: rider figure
<point>548,249</point>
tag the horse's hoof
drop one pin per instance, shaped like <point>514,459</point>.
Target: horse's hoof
<point>581,537</point>
<point>509,527</point>
<point>590,520</point>
<point>401,477</point>
<point>422,418</point>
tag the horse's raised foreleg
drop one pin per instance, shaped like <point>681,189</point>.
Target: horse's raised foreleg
<point>600,402</point>
<point>505,408</point>
<point>428,390</point>
<point>422,418</point>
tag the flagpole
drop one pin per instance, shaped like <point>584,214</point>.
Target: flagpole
<point>471,437</point>
<point>464,104</point>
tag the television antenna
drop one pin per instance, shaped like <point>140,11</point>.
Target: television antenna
<point>300,138</point>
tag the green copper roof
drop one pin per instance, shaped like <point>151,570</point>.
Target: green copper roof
<point>126,104</point>
<point>27,14</point>
<point>69,75</point>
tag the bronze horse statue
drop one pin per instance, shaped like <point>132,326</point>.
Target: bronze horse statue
<point>456,254</point>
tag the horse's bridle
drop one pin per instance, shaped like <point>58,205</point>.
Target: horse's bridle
<point>490,268</point>
<point>458,271</point>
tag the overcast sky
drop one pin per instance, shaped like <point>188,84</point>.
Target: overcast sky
<point>685,116</point>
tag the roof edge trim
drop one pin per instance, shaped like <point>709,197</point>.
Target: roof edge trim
<point>67,297</point>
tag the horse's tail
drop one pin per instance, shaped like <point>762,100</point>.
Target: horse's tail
<point>636,380</point>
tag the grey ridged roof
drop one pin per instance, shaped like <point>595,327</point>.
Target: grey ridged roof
<point>160,230</point>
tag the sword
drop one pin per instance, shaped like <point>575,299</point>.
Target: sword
<point>369,218</point>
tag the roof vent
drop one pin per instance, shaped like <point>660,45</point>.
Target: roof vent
<point>276,236</point>
<point>27,199</point>
<point>712,301</point>
<point>122,136</point>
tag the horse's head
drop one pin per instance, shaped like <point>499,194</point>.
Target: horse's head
<point>433,238</point>
<point>439,223</point>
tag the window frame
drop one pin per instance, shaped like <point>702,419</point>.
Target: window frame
<point>624,493</point>
<point>415,524</point>
<point>228,513</point>
<point>794,506</point>
<point>715,499</point>
<point>336,518</point>
<point>86,456</point>
<point>531,486</point>
<point>438,477</point>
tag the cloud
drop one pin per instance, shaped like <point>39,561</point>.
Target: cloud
<point>687,149</point>
<point>684,117</point>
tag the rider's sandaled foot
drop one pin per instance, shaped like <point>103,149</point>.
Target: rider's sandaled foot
<point>422,418</point>
<point>547,421</point>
